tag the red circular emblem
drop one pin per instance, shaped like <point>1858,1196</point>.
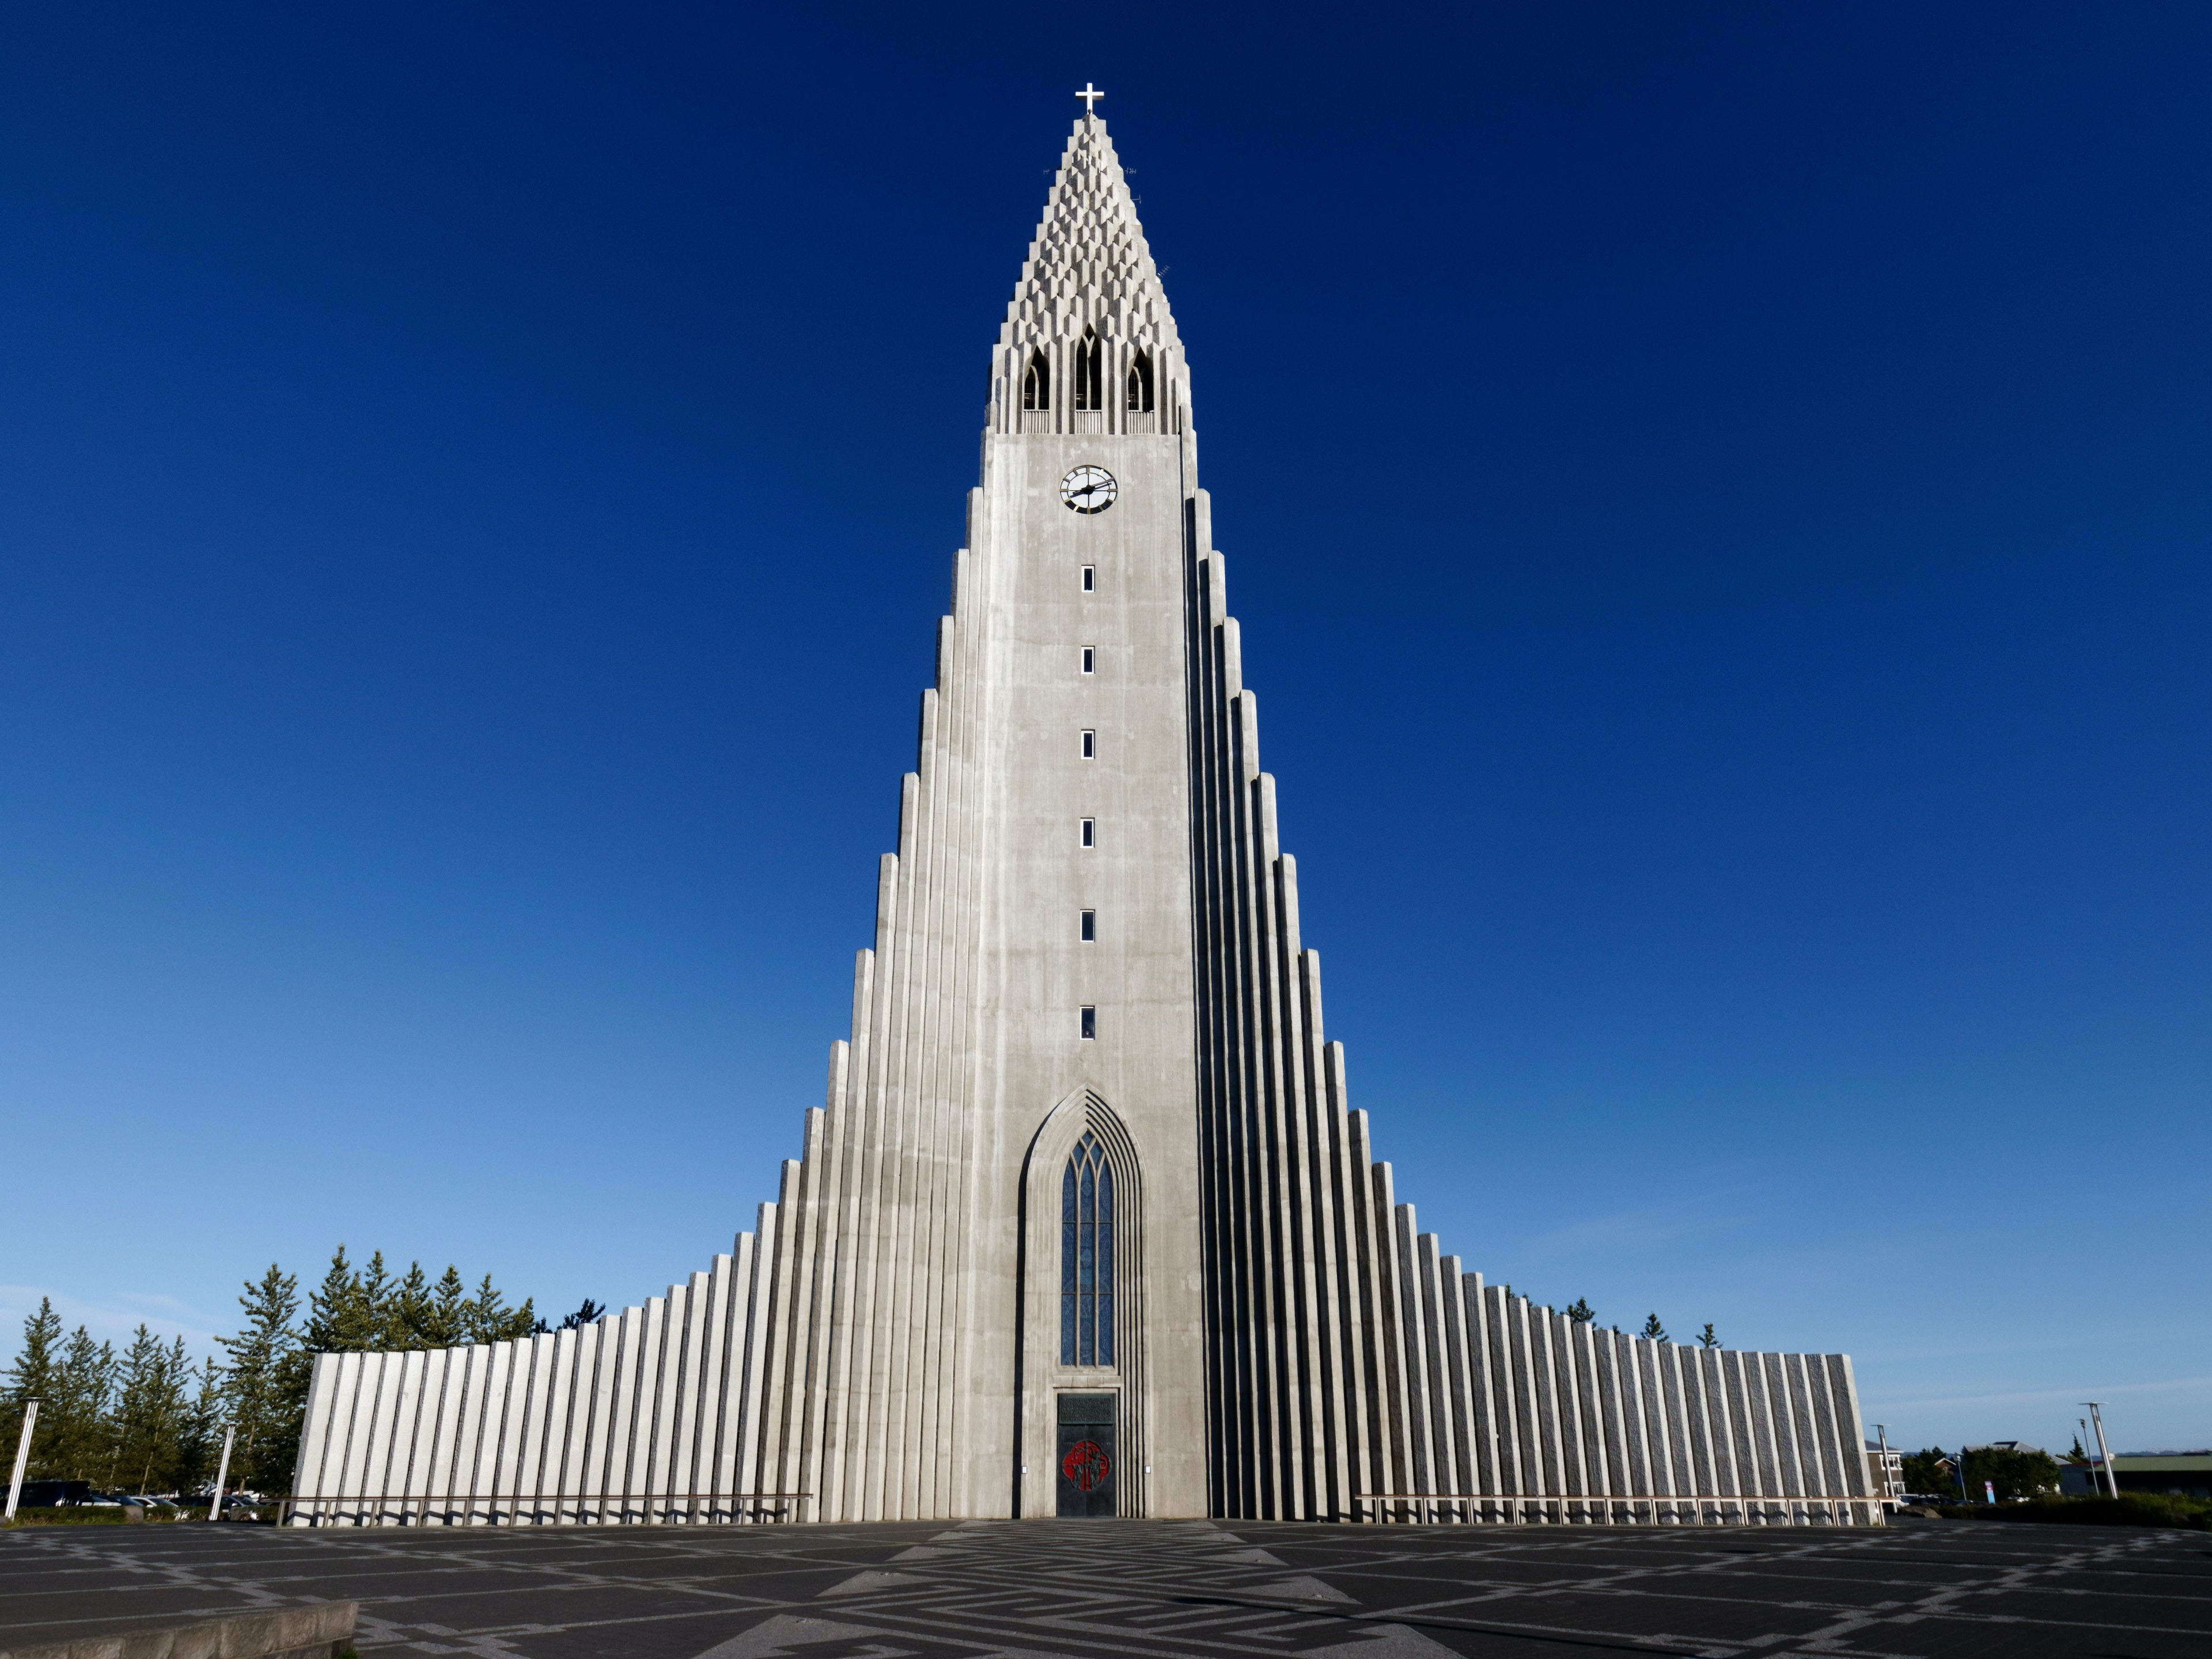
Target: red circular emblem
<point>1087,1466</point>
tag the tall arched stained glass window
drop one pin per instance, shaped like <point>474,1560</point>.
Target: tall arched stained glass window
<point>1086,1257</point>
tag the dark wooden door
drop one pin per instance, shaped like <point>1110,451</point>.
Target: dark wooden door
<point>1085,1477</point>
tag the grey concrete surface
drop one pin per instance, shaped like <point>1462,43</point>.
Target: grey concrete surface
<point>1120,1590</point>
<point>320,1630</point>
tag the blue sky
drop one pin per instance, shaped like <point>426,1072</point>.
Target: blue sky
<point>1717,499</point>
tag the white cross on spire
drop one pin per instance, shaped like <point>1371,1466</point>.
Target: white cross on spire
<point>1090,95</point>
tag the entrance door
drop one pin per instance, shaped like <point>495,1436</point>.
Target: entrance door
<point>1084,1478</point>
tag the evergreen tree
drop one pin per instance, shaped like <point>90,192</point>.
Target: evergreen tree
<point>31,1376</point>
<point>411,1312</point>
<point>265,1389</point>
<point>487,1317</point>
<point>376,1299</point>
<point>444,1323</point>
<point>341,1318</point>
<point>584,1316</point>
<point>151,1406</point>
<point>1582,1313</point>
<point>1706,1338</point>
<point>1654,1329</point>
<point>367,1310</point>
<point>201,1443</point>
<point>79,1442</point>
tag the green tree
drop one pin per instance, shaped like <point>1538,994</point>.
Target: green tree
<point>410,1310</point>
<point>360,1311</point>
<point>1706,1338</point>
<point>444,1323</point>
<point>1928,1473</point>
<point>73,1421</point>
<point>487,1317</point>
<point>31,1376</point>
<point>378,1300</point>
<point>340,1316</point>
<point>1582,1313</point>
<point>1654,1329</point>
<point>201,1443</point>
<point>152,1412</point>
<point>2014,1473</point>
<point>583,1315</point>
<point>264,1386</point>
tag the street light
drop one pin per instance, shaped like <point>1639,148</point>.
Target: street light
<point>2097,1417</point>
<point>221,1471</point>
<point>22,1456</point>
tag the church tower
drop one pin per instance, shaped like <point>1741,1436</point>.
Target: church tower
<point>1086,1223</point>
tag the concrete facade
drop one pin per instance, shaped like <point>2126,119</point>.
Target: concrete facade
<point>1087,935</point>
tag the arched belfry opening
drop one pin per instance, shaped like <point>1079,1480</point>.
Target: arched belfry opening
<point>1139,400</point>
<point>1036,383</point>
<point>1083,1346</point>
<point>1089,376</point>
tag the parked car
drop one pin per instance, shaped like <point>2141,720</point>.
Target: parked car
<point>54,1494</point>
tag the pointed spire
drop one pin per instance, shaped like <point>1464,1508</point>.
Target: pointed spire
<point>1089,269</point>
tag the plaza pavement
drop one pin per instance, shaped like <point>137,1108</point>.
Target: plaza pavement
<point>1114,1589</point>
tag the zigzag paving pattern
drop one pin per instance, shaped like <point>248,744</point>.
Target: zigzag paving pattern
<point>1113,1590</point>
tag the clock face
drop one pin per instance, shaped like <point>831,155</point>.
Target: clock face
<point>1089,489</point>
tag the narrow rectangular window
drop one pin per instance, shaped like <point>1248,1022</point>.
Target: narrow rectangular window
<point>1090,1024</point>
<point>1090,578</point>
<point>1091,745</point>
<point>1087,824</point>
<point>1090,926</point>
<point>1090,658</point>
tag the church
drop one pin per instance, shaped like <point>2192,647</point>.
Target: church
<point>1087,1223</point>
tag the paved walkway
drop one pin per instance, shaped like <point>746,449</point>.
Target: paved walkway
<point>1115,1590</point>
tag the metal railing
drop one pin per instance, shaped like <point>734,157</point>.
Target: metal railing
<point>1686,1509</point>
<point>541,1509</point>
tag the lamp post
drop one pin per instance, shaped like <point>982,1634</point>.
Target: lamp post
<point>22,1456</point>
<point>221,1471</point>
<point>2097,1417</point>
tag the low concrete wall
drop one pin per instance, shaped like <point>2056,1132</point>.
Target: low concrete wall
<point>318,1632</point>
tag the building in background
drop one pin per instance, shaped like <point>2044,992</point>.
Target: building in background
<point>2187,1473</point>
<point>1885,1471</point>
